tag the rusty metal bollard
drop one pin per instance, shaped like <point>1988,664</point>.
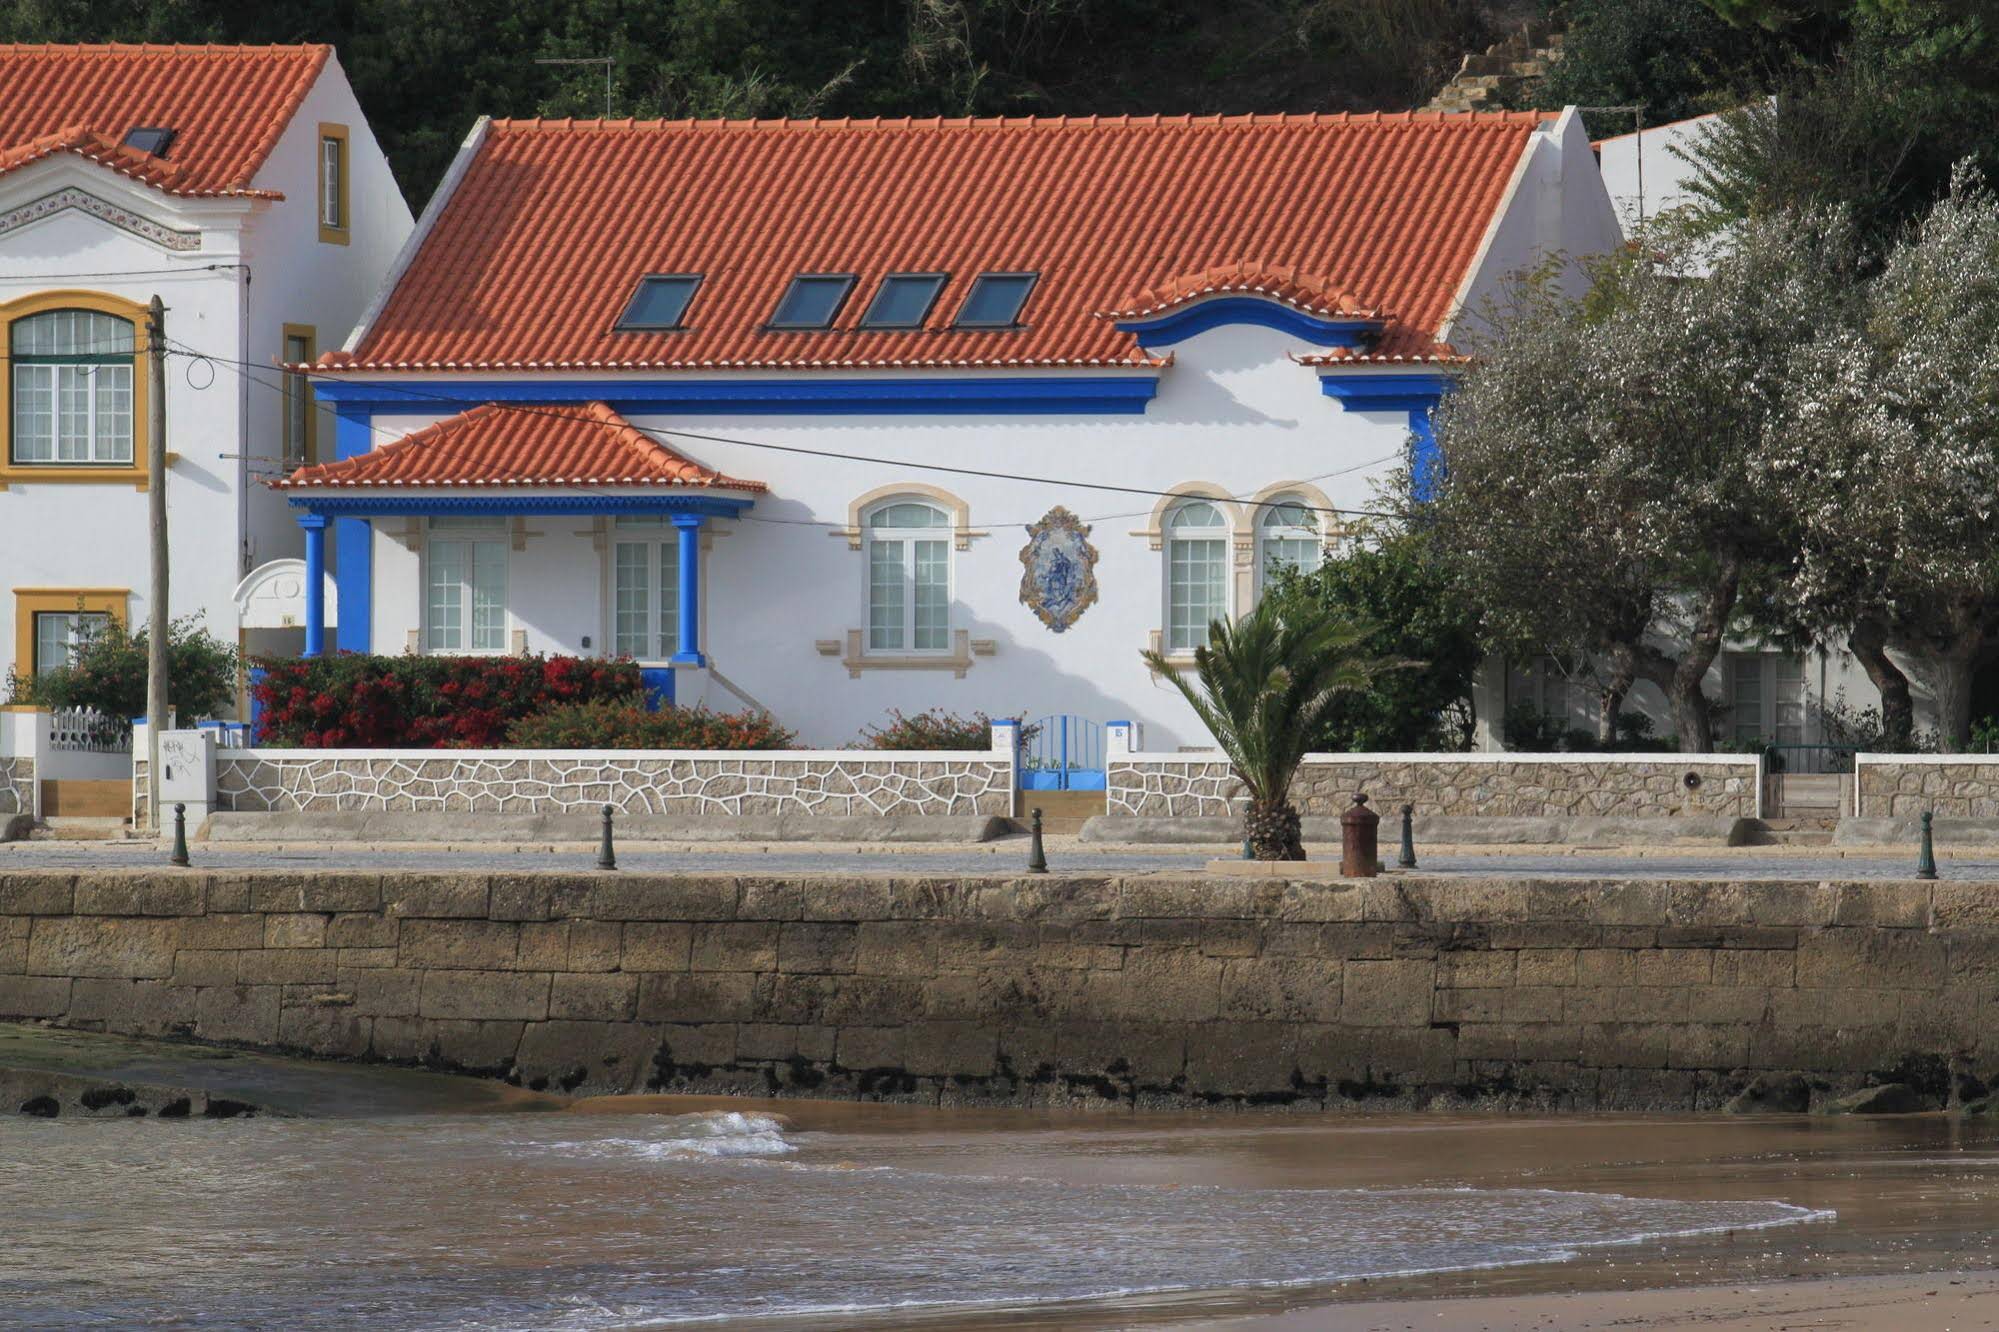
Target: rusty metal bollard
<point>1360,829</point>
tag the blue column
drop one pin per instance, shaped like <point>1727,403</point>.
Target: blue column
<point>1424,462</point>
<point>315,582</point>
<point>353,546</point>
<point>689,525</point>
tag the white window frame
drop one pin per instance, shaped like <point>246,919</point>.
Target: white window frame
<point>1269,532</point>
<point>85,373</point>
<point>1768,700</point>
<point>941,533</point>
<point>659,539</point>
<point>469,532</point>
<point>1176,643</point>
<point>1563,696</point>
<point>79,628</point>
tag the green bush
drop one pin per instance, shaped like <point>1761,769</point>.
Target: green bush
<point>935,729</point>
<point>615,725</point>
<point>108,675</point>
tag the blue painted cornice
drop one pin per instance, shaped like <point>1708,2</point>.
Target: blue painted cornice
<point>1167,329</point>
<point>1050,395</point>
<point>348,504</point>
<point>1385,393</point>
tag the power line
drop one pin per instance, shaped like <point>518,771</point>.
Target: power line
<point>247,367</point>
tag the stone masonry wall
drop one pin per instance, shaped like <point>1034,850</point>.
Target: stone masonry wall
<point>1967,790</point>
<point>17,786</point>
<point>1194,788</point>
<point>1160,990</point>
<point>506,784</point>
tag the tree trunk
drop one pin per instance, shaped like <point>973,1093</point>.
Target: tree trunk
<point>1691,717</point>
<point>1614,687</point>
<point>1868,642</point>
<point>1273,831</point>
<point>1947,675</point>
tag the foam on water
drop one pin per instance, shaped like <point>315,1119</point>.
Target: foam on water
<point>722,1133</point>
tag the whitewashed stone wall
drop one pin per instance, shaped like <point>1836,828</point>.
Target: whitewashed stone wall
<point>1951,786</point>
<point>540,782</point>
<point>1499,786</point>
<point>17,786</point>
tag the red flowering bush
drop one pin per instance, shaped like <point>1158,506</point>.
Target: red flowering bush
<point>615,725</point>
<point>354,700</point>
<point>935,729</point>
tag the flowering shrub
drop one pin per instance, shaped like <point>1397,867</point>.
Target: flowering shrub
<point>108,675</point>
<point>935,729</point>
<point>618,725</point>
<point>358,701</point>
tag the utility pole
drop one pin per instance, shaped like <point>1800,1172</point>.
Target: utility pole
<point>156,509</point>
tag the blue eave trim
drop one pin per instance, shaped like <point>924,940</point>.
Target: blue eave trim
<point>1078,395</point>
<point>349,505</point>
<point>1184,323</point>
<point>1385,393</point>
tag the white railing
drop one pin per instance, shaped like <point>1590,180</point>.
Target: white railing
<point>86,731</point>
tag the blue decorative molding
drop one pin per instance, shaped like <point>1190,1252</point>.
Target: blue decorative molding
<point>348,504</point>
<point>1418,395</point>
<point>1167,329</point>
<point>994,395</point>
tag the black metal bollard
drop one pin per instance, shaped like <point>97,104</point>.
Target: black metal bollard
<point>607,858</point>
<point>1037,859</point>
<point>179,854</point>
<point>1407,859</point>
<point>1926,862</point>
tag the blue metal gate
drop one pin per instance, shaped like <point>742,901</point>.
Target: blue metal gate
<point>1062,753</point>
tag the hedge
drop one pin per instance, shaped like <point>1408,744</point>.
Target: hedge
<point>612,725</point>
<point>353,700</point>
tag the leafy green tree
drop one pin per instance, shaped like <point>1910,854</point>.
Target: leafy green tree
<point>1265,685</point>
<point>1415,610</point>
<point>107,674</point>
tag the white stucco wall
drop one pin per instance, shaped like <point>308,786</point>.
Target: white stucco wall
<point>259,265</point>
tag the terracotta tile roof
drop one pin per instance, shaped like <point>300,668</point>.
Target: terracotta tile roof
<point>1437,353</point>
<point>227,105</point>
<point>530,261</point>
<point>497,445</point>
<point>1314,295</point>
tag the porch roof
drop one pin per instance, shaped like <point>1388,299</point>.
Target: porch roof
<point>515,447</point>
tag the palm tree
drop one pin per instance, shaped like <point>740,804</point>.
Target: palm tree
<point>1266,683</point>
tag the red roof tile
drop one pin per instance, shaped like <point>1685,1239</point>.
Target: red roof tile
<point>1314,295</point>
<point>533,257</point>
<point>497,445</point>
<point>227,105</point>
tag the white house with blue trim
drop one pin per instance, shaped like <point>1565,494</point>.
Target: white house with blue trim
<point>829,418</point>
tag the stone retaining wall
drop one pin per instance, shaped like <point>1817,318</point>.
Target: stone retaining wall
<point>1952,786</point>
<point>527,782</point>
<point>1149,991</point>
<point>1499,785</point>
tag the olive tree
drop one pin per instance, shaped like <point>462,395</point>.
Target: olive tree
<point>1605,482</point>
<point>1889,455</point>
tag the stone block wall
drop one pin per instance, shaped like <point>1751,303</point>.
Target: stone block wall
<point>510,782</point>
<point>1102,991</point>
<point>17,786</point>
<point>1904,786</point>
<point>1454,786</point>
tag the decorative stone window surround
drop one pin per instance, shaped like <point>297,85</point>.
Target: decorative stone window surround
<point>851,646</point>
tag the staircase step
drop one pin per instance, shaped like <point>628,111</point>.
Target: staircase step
<point>70,828</point>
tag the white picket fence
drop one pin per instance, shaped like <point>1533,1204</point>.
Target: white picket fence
<point>86,731</point>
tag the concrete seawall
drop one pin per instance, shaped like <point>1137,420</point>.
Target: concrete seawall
<point>1154,990</point>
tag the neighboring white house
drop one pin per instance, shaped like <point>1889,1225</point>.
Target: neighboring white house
<point>243,187</point>
<point>834,417</point>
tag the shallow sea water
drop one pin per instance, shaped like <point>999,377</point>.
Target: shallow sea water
<point>845,1215</point>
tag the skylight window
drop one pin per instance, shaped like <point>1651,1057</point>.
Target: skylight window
<point>149,139</point>
<point>995,300</point>
<point>903,300</point>
<point>660,303</point>
<point>812,300</point>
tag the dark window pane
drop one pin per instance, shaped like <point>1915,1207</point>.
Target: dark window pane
<point>903,300</point>
<point>811,302</point>
<point>660,302</point>
<point>149,139</point>
<point>995,300</point>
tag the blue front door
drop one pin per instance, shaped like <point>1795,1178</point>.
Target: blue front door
<point>1062,753</point>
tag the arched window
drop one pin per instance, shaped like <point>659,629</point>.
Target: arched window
<point>1197,573</point>
<point>1287,536</point>
<point>909,577</point>
<point>72,379</point>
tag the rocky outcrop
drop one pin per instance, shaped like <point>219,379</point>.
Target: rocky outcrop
<point>1490,80</point>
